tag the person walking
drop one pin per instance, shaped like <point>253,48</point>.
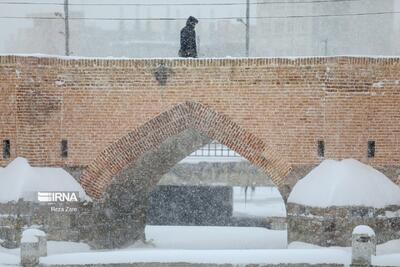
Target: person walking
<point>188,39</point>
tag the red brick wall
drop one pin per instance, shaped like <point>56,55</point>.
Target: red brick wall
<point>289,104</point>
<point>169,124</point>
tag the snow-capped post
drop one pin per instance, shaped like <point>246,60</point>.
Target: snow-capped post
<point>33,246</point>
<point>363,245</point>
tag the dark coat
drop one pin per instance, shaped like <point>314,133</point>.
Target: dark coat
<point>188,39</point>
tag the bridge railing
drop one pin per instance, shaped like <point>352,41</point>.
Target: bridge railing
<point>214,149</point>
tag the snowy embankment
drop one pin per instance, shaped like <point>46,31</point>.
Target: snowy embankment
<point>21,181</point>
<point>345,183</point>
<point>387,254</point>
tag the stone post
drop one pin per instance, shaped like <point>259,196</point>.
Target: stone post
<point>363,246</point>
<point>42,245</point>
<point>33,246</point>
<point>29,252</point>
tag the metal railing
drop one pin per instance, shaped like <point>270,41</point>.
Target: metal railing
<point>214,149</point>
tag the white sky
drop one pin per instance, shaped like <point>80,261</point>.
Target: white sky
<point>9,26</point>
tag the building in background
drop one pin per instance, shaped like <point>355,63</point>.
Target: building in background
<point>45,36</point>
<point>308,29</point>
<point>276,35</point>
<point>356,34</point>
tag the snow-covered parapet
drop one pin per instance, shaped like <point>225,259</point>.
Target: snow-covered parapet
<point>33,246</point>
<point>363,245</point>
<point>21,181</point>
<point>345,183</point>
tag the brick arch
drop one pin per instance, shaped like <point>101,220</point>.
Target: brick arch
<point>150,135</point>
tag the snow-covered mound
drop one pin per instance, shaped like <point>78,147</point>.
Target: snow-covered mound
<point>345,183</point>
<point>20,180</point>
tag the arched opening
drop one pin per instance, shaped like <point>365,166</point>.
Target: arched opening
<point>123,175</point>
<point>215,199</point>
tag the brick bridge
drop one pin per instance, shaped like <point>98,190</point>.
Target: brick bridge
<point>134,118</point>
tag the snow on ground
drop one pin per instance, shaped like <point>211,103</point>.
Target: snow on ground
<point>204,256</point>
<point>20,180</point>
<point>11,257</point>
<point>387,260</point>
<point>260,202</point>
<point>390,247</point>
<point>215,237</point>
<point>173,239</point>
<point>207,245</point>
<point>8,260</point>
<point>387,254</point>
<point>345,183</point>
<point>58,247</point>
<point>53,247</point>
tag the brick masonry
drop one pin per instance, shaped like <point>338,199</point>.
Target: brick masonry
<point>188,115</point>
<point>272,111</point>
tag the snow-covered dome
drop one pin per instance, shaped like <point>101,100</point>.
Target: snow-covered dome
<point>20,180</point>
<point>345,183</point>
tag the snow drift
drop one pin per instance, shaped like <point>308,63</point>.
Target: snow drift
<point>20,180</point>
<point>345,183</point>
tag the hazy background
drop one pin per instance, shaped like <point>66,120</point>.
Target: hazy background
<point>294,28</point>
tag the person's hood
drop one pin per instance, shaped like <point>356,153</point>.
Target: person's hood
<point>191,21</point>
